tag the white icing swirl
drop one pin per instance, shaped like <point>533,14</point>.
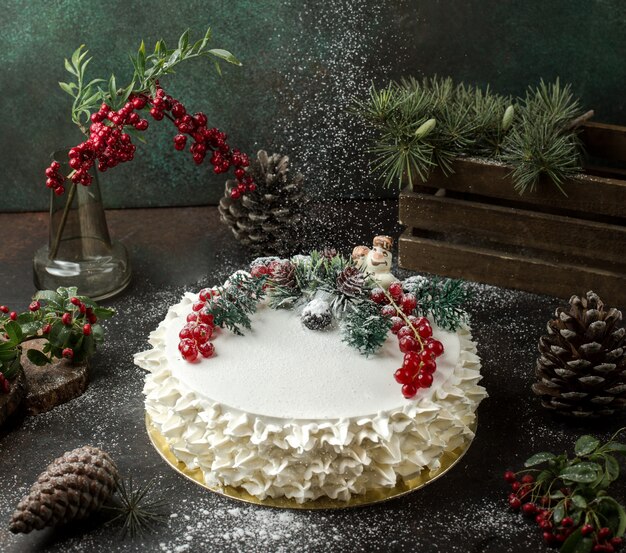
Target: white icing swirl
<point>303,459</point>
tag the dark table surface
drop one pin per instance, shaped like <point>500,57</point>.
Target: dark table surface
<point>179,249</point>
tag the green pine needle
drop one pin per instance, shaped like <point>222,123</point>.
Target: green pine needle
<point>139,514</point>
<point>365,328</point>
<point>237,300</point>
<point>443,299</point>
<point>535,137</point>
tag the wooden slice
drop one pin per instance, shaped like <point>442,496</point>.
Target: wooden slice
<point>53,384</point>
<point>11,401</point>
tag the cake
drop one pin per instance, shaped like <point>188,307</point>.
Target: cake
<point>292,410</point>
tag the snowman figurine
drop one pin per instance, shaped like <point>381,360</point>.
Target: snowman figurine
<point>376,261</point>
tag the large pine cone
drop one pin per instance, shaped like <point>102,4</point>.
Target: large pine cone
<point>582,367</point>
<point>72,487</point>
<point>351,282</point>
<point>268,220</point>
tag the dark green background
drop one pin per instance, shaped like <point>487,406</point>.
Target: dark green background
<point>303,61</point>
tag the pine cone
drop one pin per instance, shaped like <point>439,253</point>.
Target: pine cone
<point>284,273</point>
<point>268,220</point>
<point>582,367</point>
<point>72,487</point>
<point>317,315</point>
<point>351,282</point>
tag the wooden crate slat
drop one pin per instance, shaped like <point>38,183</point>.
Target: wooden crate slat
<point>605,141</point>
<point>585,193</point>
<point>511,271</point>
<point>519,227</point>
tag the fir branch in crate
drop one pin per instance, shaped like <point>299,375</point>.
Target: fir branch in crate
<point>365,328</point>
<point>428,123</point>
<point>236,301</point>
<point>443,299</point>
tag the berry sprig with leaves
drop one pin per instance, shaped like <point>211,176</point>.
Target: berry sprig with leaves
<point>568,497</point>
<point>66,321</point>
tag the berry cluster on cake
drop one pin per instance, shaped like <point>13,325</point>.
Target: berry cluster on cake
<point>297,393</point>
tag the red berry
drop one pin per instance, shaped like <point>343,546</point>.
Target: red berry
<point>205,317</point>
<point>509,476</point>
<point>46,328</point>
<point>403,376</point>
<point>408,343</point>
<point>567,522</point>
<point>92,318</point>
<point>74,300</point>
<point>545,525</point>
<point>87,329</point>
<point>408,303</point>
<point>202,333</point>
<point>68,353</point>
<point>235,194</point>
<point>186,332</point>
<point>405,331</point>
<point>515,502</point>
<point>141,125</point>
<point>207,349</point>
<point>409,391</point>
<point>528,479</point>
<point>55,166</point>
<point>515,486</point>
<point>529,509</point>
<point>436,347</point>
<point>616,541</point>
<point>425,331</point>
<point>66,319</point>
<point>395,290</point>
<point>4,309</point>
<point>198,305</point>
<point>548,537</point>
<point>59,190</point>
<point>426,355</point>
<point>388,311</point>
<point>587,529</point>
<point>178,110</point>
<point>429,366</point>
<point>411,361</point>
<point>188,349</point>
<point>396,324</point>
<point>34,306</point>
<point>604,533</point>
<point>139,102</point>
<point>425,380</point>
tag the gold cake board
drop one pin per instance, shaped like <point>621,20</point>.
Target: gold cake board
<point>448,460</point>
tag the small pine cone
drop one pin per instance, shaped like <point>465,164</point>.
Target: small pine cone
<point>317,315</point>
<point>284,273</point>
<point>71,488</point>
<point>329,252</point>
<point>581,371</point>
<point>351,282</point>
<point>270,219</point>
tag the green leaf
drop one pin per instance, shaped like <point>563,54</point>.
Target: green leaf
<point>142,49</point>
<point>67,88</point>
<point>67,291</point>
<point>559,512</point>
<point>615,447</point>
<point>539,458</point>
<point>49,296</point>
<point>69,68</point>
<point>576,543</point>
<point>37,357</point>
<point>586,445</point>
<point>579,501</point>
<point>104,312</point>
<point>224,55</point>
<point>98,333</point>
<point>112,89</point>
<point>14,330</point>
<point>183,41</point>
<point>611,468</point>
<point>218,67</point>
<point>583,473</point>
<point>76,56</point>
<point>621,513</point>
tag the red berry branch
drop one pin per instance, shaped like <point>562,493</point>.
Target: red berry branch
<point>122,111</point>
<point>414,338</point>
<point>568,497</point>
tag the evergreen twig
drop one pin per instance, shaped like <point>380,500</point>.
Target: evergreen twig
<point>443,299</point>
<point>365,328</point>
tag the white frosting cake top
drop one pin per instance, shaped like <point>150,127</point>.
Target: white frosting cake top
<point>281,369</point>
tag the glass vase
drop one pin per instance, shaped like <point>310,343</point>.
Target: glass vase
<point>80,251</point>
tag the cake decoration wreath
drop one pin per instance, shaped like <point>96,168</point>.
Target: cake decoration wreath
<point>358,294</point>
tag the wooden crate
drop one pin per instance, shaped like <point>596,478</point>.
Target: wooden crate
<point>474,225</point>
